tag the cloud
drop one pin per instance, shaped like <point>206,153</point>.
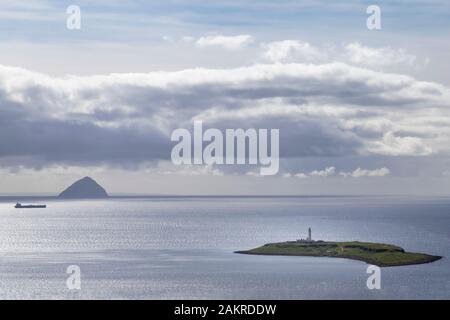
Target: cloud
<point>322,110</point>
<point>397,146</point>
<point>353,53</point>
<point>364,55</point>
<point>167,168</point>
<point>358,173</point>
<point>288,50</point>
<point>232,43</point>
<point>329,171</point>
<point>227,42</point>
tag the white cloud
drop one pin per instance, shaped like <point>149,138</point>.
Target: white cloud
<point>393,145</point>
<point>358,173</point>
<point>167,168</point>
<point>329,171</point>
<point>235,42</point>
<point>227,42</point>
<point>291,50</point>
<point>353,53</point>
<point>364,55</point>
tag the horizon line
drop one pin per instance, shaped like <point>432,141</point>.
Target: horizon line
<point>125,195</point>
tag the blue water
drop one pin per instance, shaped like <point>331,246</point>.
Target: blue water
<point>182,248</point>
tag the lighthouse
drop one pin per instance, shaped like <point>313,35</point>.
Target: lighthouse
<point>309,235</point>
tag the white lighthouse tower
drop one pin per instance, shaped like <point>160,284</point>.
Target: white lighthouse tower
<point>309,235</point>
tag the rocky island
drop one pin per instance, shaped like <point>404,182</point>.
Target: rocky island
<point>379,254</point>
<point>85,188</point>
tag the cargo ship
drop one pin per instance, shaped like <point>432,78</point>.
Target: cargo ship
<point>29,206</point>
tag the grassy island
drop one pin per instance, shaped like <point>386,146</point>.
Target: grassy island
<point>379,254</point>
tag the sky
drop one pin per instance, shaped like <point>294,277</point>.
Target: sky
<point>359,111</point>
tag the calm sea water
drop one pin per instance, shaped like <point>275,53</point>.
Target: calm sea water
<point>182,248</point>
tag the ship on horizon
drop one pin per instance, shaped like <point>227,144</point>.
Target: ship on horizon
<point>29,206</point>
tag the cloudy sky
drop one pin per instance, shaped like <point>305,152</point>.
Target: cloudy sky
<point>359,111</point>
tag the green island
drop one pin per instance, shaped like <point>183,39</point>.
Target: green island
<point>379,254</point>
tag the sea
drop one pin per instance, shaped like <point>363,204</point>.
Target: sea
<point>173,247</point>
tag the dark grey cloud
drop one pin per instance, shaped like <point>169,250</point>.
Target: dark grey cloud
<point>45,141</point>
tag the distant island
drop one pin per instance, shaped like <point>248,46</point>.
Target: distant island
<point>86,188</point>
<point>379,254</point>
